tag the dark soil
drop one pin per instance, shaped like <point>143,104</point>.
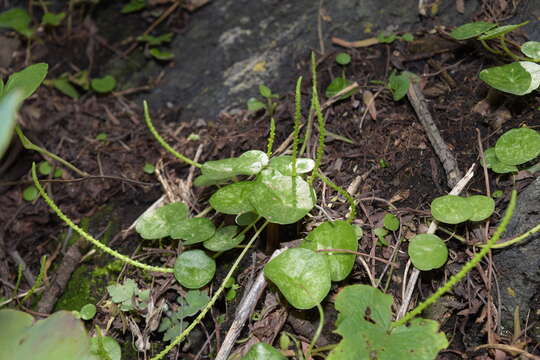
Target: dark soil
<point>391,153</point>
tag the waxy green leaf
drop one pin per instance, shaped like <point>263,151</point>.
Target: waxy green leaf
<point>334,235</point>
<point>493,162</point>
<point>482,207</point>
<point>518,78</point>
<point>193,231</point>
<point>27,80</point>
<point>336,86</point>
<point>110,346</point>
<point>517,146</point>
<point>103,85</point>
<point>284,165</point>
<point>9,105</point>
<point>194,269</point>
<point>262,351</point>
<point>224,239</point>
<point>427,252</point>
<point>531,49</point>
<point>451,209</point>
<point>302,276</point>
<point>281,199</point>
<point>470,30</point>
<point>500,31</point>
<point>233,199</point>
<point>249,163</point>
<point>157,224</point>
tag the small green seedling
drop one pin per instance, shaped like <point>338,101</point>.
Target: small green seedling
<point>255,105</point>
<point>385,37</point>
<point>128,296</point>
<point>149,168</point>
<point>30,193</point>
<point>45,168</point>
<point>51,19</point>
<point>520,77</point>
<point>102,136</point>
<point>103,85</point>
<point>343,59</point>
<point>232,292</point>
<point>87,312</point>
<point>173,323</point>
<point>427,252</point>
<point>156,40</point>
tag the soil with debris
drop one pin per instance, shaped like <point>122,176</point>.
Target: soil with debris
<point>376,149</point>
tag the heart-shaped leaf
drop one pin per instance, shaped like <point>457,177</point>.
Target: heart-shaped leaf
<point>233,199</point>
<point>427,252</point>
<point>224,239</point>
<point>364,322</point>
<point>281,199</point>
<point>249,163</point>
<point>334,235</point>
<point>194,269</point>
<point>157,224</point>
<point>262,351</point>
<point>517,146</point>
<point>301,275</point>
<point>451,209</point>
<point>470,30</point>
<point>493,163</point>
<point>283,164</point>
<point>194,230</point>
<point>518,78</point>
<point>482,207</point>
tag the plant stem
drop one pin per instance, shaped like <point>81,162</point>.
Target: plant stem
<point>214,298</point>
<point>465,269</point>
<point>27,144</point>
<point>352,204</point>
<point>320,120</point>
<point>297,119</point>
<point>162,142</point>
<point>516,239</point>
<point>507,50</point>
<point>89,237</point>
<point>489,48</point>
<point>318,331</point>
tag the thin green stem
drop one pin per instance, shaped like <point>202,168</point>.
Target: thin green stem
<point>318,331</point>
<point>352,204</point>
<point>297,120</point>
<point>27,144</point>
<point>320,120</point>
<point>516,239</point>
<point>507,50</point>
<point>489,48</point>
<point>89,237</point>
<point>162,142</point>
<point>465,269</point>
<point>214,298</point>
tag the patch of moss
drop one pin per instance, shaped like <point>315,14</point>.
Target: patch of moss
<point>107,270</point>
<point>83,288</point>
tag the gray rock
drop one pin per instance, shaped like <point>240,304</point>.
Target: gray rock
<point>234,45</point>
<point>518,267</point>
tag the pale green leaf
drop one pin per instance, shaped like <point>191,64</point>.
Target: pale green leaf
<point>482,207</point>
<point>233,199</point>
<point>517,146</point>
<point>157,224</point>
<point>391,222</point>
<point>336,86</point>
<point>500,30</point>
<point>194,230</point>
<point>88,311</point>
<point>301,275</point>
<point>451,209</point>
<point>427,252</point>
<point>512,78</point>
<point>531,49</point>
<point>194,269</point>
<point>224,239</point>
<point>284,164</point>
<point>103,85</point>
<point>262,351</point>
<point>9,105</point>
<point>27,80</point>
<point>470,30</point>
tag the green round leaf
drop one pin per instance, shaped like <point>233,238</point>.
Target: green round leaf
<point>493,163</point>
<point>471,30</point>
<point>482,207</point>
<point>193,231</point>
<point>156,224</point>
<point>224,239</point>
<point>30,193</point>
<point>246,219</point>
<point>399,85</point>
<point>451,209</point>
<point>334,235</point>
<point>517,146</point>
<point>515,78</point>
<point>284,165</point>
<point>301,275</point>
<point>531,49</point>
<point>103,85</point>
<point>500,30</point>
<point>194,269</point>
<point>110,346</point>
<point>149,168</point>
<point>343,58</point>
<point>407,37</point>
<point>391,222</point>
<point>265,91</point>
<point>16,19</point>
<point>88,311</point>
<point>233,199</point>
<point>281,199</point>
<point>427,252</point>
<point>262,351</point>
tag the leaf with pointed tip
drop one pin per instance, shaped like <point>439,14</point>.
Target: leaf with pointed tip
<point>470,30</point>
<point>500,30</point>
<point>27,80</point>
<point>9,105</point>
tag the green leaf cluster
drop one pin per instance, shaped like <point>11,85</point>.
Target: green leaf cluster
<point>128,296</point>
<point>453,209</point>
<point>514,147</point>
<point>173,323</point>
